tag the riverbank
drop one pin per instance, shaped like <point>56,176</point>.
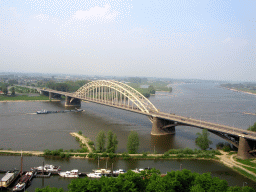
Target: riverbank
<point>19,98</point>
<point>237,90</point>
<point>228,159</point>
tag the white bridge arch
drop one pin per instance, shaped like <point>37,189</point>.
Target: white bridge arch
<point>116,94</point>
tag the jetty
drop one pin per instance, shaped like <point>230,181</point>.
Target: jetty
<point>83,140</point>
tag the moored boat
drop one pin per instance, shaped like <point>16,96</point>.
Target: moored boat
<point>24,181</point>
<point>102,171</point>
<point>70,174</point>
<point>94,175</point>
<point>119,171</point>
<point>48,168</point>
<point>8,178</point>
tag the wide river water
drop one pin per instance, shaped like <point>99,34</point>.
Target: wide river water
<point>22,129</point>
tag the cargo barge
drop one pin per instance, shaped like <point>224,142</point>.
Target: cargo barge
<point>63,111</point>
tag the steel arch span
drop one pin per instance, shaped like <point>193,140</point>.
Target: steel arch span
<point>116,94</point>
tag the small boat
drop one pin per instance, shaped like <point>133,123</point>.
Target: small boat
<point>42,112</point>
<point>94,175</point>
<point>8,178</point>
<point>119,171</point>
<point>102,171</point>
<point>48,168</point>
<point>24,181</point>
<point>71,174</point>
<point>137,170</point>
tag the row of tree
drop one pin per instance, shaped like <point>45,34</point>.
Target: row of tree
<point>132,143</point>
<point>152,181</point>
<point>68,86</point>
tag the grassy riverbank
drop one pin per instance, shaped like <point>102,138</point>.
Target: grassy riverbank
<point>23,98</point>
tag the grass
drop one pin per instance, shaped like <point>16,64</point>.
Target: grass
<point>23,98</point>
<point>246,162</point>
<point>245,173</point>
<point>250,169</point>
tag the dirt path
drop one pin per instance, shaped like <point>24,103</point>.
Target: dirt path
<point>229,161</point>
<point>83,140</point>
<point>36,153</point>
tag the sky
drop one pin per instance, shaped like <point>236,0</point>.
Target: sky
<point>187,39</point>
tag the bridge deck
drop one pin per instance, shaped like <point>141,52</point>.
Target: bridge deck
<point>172,117</point>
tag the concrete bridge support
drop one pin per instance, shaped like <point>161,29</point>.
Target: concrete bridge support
<point>244,147</point>
<point>69,101</point>
<point>162,127</point>
<point>54,96</point>
<point>50,95</point>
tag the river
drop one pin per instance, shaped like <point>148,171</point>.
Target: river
<point>22,129</point>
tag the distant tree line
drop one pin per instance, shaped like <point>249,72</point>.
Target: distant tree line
<point>68,86</point>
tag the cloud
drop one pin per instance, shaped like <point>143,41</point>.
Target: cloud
<point>97,14</point>
<point>42,17</point>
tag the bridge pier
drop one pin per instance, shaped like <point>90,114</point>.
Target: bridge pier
<point>162,127</point>
<point>50,95</point>
<point>54,96</point>
<point>69,101</point>
<point>244,148</point>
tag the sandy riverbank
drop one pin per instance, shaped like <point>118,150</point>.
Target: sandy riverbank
<point>235,90</point>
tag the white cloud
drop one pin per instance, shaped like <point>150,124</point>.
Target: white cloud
<point>42,17</point>
<point>97,14</point>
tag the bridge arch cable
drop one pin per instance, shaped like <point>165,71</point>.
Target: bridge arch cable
<point>89,90</point>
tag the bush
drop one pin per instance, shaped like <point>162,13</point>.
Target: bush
<point>47,152</point>
<point>90,155</point>
<point>226,148</point>
<point>55,153</point>
<point>111,155</point>
<point>104,154</point>
<point>80,132</point>
<point>144,154</point>
<point>90,143</point>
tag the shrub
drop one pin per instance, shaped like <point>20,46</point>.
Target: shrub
<point>227,148</point>
<point>90,155</point>
<point>90,143</point>
<point>144,154</point>
<point>47,152</point>
<point>80,132</point>
<point>104,154</point>
<point>111,155</point>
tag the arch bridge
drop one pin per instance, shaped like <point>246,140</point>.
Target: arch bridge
<point>119,95</point>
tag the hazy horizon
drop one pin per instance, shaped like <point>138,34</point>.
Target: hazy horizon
<point>209,40</point>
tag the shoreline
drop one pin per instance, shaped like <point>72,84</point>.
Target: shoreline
<point>236,90</point>
<point>224,159</point>
<point>5,101</point>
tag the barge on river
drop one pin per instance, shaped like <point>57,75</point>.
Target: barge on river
<point>63,111</point>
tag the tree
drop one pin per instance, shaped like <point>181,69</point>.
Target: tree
<point>133,142</point>
<point>252,128</point>
<point>202,140</point>
<point>5,90</point>
<point>112,142</point>
<point>151,89</point>
<point>101,141</point>
<point>13,90</point>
